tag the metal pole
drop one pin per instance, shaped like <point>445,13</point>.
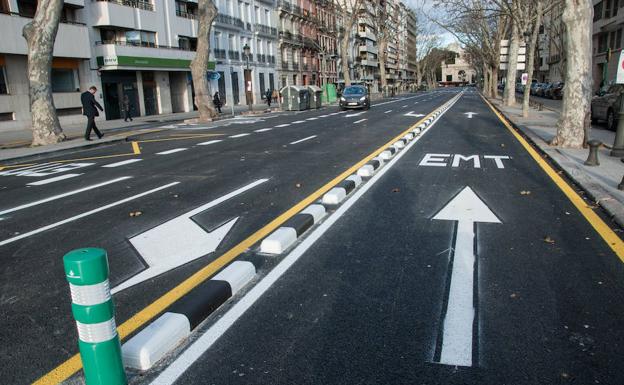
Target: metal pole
<point>618,143</point>
<point>86,270</point>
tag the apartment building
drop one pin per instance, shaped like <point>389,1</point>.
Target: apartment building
<point>366,67</point>
<point>607,40</point>
<point>457,71</point>
<point>406,46</point>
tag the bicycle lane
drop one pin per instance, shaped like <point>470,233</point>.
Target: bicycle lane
<point>390,294</point>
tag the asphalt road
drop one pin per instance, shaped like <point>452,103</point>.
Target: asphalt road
<point>53,204</point>
<point>382,291</point>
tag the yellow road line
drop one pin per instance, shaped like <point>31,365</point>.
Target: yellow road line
<point>136,148</point>
<point>606,232</point>
<point>72,365</point>
<point>16,166</point>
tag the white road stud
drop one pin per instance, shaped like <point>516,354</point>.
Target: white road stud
<point>280,240</point>
<point>334,196</point>
<point>317,212</point>
<point>356,179</point>
<point>366,171</point>
<point>146,348</point>
<point>237,274</point>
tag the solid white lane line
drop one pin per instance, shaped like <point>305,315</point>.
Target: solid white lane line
<point>282,125</point>
<point>311,118</point>
<point>85,214</point>
<point>239,135</point>
<point>323,116</point>
<point>52,180</point>
<point>263,130</point>
<point>208,338</point>
<point>35,203</point>
<point>209,142</point>
<point>359,121</point>
<point>122,163</point>
<point>303,140</point>
<point>298,121</point>
<point>171,151</point>
<point>387,112</point>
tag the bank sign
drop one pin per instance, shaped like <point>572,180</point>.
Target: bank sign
<point>135,61</point>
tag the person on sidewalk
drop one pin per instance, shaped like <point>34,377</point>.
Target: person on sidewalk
<point>268,95</point>
<point>125,104</point>
<point>216,100</point>
<point>275,95</point>
<point>90,109</point>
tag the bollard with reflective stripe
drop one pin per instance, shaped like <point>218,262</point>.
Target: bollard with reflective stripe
<point>86,271</point>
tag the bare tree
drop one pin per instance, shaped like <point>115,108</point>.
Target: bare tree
<point>577,18</point>
<point>427,39</point>
<point>40,35</point>
<point>199,65</point>
<point>349,11</point>
<point>530,58</point>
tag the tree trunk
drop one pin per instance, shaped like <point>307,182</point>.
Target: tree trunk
<point>494,82</point>
<point>486,81</point>
<point>509,96</point>
<point>199,65</point>
<point>382,64</point>
<point>40,35</point>
<point>344,54</point>
<point>531,58</point>
<point>577,18</point>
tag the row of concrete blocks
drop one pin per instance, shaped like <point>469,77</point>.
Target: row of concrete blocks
<point>175,325</point>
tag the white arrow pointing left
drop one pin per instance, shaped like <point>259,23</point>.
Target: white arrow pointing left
<point>469,114</point>
<point>179,241</point>
<point>411,113</point>
<point>457,340</point>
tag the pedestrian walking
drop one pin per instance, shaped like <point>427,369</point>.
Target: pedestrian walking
<point>125,103</point>
<point>216,100</point>
<point>275,95</point>
<point>269,96</point>
<point>90,109</point>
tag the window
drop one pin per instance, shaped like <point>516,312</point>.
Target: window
<point>267,17</point>
<point>598,11</point>
<point>187,43</point>
<point>63,80</point>
<point>6,116</point>
<point>217,40</point>
<point>602,42</point>
<point>449,78</point>
<point>4,89</point>
<point>607,9</point>
<point>4,6</point>
<point>618,39</point>
<point>612,40</point>
<point>142,38</point>
<point>69,111</point>
<point>27,8</point>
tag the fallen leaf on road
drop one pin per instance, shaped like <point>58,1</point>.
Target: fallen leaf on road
<point>513,295</point>
<point>523,192</point>
<point>298,185</point>
<point>548,239</point>
<point>395,190</point>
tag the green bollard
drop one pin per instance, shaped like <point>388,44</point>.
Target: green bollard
<point>86,271</point>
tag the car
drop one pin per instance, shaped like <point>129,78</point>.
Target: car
<point>543,89</point>
<point>354,97</point>
<point>534,87</point>
<point>606,105</point>
<point>556,91</point>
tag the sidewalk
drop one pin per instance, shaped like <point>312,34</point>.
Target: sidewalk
<point>16,144</point>
<point>600,182</point>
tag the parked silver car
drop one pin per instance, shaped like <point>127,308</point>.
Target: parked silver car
<point>606,105</point>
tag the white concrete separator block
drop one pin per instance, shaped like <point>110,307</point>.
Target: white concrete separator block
<point>366,171</point>
<point>380,160</point>
<point>356,179</point>
<point>409,136</point>
<point>237,274</point>
<point>385,155</point>
<point>416,130</point>
<point>279,240</point>
<point>146,348</point>
<point>334,196</point>
<point>422,126</point>
<point>317,211</point>
<point>398,145</point>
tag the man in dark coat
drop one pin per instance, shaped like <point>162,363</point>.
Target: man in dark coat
<point>90,109</point>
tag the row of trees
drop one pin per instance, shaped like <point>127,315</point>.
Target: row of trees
<point>480,25</point>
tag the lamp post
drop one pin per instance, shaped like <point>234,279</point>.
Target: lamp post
<point>248,89</point>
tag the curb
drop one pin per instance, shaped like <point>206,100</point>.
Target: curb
<point>595,192</point>
<point>170,329</point>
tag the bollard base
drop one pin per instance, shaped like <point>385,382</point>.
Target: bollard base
<point>102,362</point>
<point>617,152</point>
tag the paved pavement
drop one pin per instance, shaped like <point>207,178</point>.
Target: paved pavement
<point>462,260</point>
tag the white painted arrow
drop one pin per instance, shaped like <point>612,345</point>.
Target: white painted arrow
<point>411,113</point>
<point>352,115</point>
<point>179,241</point>
<point>469,114</point>
<point>457,340</point>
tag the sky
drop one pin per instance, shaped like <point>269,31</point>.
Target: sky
<point>447,38</point>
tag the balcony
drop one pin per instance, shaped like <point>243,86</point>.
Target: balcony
<point>234,55</point>
<point>289,38</point>
<point>144,5</point>
<point>123,54</point>
<point>369,63</point>
<point>72,40</point>
<point>136,15</point>
<point>271,59</point>
<point>285,65</point>
<point>369,48</point>
<point>367,35</point>
<point>228,20</point>
<point>219,53</point>
<point>266,30</point>
<point>261,58</point>
<point>186,15</point>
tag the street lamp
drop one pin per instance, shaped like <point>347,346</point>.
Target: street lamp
<point>248,90</point>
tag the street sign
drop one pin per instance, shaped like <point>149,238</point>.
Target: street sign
<point>214,75</point>
<point>525,78</point>
<point>619,78</point>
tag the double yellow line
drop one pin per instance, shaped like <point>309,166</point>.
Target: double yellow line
<point>72,365</point>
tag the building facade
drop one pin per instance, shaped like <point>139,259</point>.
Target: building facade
<point>457,71</point>
<point>607,40</point>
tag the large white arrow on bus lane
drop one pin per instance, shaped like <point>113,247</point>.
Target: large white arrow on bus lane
<point>466,208</point>
<point>179,241</point>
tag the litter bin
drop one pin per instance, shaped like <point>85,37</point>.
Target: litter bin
<point>295,98</point>
<point>315,96</point>
<point>329,93</point>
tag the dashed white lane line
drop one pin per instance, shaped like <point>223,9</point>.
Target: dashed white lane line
<point>282,125</point>
<point>122,163</point>
<point>55,197</point>
<point>359,121</point>
<point>239,135</point>
<point>303,140</point>
<point>387,112</point>
<point>263,130</point>
<point>209,142</point>
<point>298,121</point>
<point>171,151</point>
<point>85,214</point>
<point>311,118</point>
<point>405,106</point>
<point>52,180</point>
<point>323,116</point>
